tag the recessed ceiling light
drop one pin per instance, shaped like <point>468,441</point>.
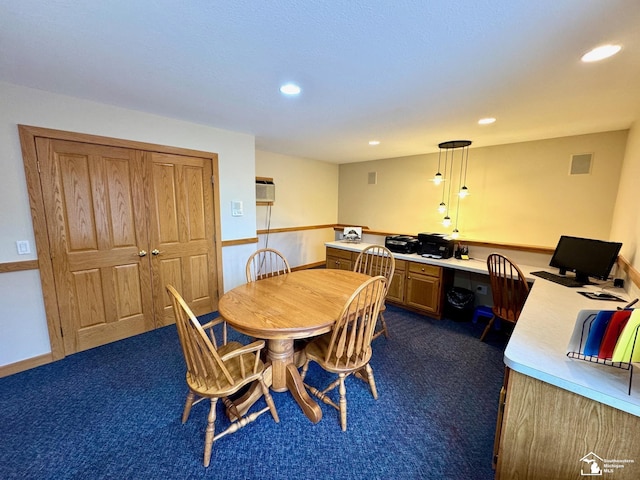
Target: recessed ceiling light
<point>374,142</point>
<point>600,53</point>
<point>290,89</point>
<point>486,121</point>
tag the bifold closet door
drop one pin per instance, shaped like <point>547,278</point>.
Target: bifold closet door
<point>122,224</point>
<point>181,232</point>
<point>96,220</point>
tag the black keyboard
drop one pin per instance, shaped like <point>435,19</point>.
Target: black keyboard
<point>552,277</point>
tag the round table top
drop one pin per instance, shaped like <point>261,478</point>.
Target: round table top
<point>299,304</point>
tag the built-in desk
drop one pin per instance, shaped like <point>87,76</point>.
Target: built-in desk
<point>557,410</point>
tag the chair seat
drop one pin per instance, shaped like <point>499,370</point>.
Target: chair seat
<point>233,365</point>
<point>506,314</point>
<point>316,350</point>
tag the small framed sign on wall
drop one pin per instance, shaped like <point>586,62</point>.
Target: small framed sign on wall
<point>352,234</point>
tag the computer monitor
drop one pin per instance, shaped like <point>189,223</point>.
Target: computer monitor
<point>586,257</point>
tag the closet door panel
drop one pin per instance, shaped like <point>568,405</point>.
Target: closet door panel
<point>182,236</point>
<point>95,238</point>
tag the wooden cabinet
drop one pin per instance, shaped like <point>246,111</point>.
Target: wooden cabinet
<point>547,431</point>
<point>415,285</point>
<point>423,288</point>
<point>341,259</point>
<point>395,293</point>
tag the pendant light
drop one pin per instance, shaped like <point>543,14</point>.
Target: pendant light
<point>442,208</point>
<point>453,146</point>
<point>464,191</point>
<point>437,179</point>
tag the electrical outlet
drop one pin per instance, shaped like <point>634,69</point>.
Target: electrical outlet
<point>481,289</point>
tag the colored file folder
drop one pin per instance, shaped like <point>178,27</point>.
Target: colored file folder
<point>598,328</point>
<point>627,342</point>
<point>614,330</point>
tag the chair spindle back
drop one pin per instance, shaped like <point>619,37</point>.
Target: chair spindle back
<point>508,286</point>
<point>350,344</point>
<point>265,263</point>
<point>204,365</point>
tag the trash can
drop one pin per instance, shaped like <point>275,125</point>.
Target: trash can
<point>459,304</point>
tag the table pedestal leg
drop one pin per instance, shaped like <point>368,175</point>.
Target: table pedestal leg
<point>310,408</point>
<point>286,377</point>
<point>280,352</point>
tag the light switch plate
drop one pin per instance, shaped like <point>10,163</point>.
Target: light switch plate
<point>23,247</point>
<point>237,208</point>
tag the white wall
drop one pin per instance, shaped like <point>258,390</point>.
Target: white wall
<point>626,216</point>
<point>521,193</point>
<point>306,195</point>
<point>22,324</point>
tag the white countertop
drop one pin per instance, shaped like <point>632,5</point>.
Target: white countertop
<point>539,342</point>
<point>471,265</point>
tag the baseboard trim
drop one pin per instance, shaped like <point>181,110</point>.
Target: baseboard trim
<point>27,364</point>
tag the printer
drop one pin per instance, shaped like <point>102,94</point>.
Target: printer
<point>435,245</point>
<point>402,244</point>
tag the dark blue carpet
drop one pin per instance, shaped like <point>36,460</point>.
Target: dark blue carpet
<point>114,412</point>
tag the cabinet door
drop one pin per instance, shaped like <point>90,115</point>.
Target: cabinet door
<point>423,292</point>
<point>396,289</point>
<point>339,263</point>
<point>339,259</point>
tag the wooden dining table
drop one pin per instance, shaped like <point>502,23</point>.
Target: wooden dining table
<point>281,309</point>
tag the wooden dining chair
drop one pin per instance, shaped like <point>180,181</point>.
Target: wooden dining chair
<point>347,348</point>
<point>265,263</point>
<point>377,260</point>
<point>217,371</point>
<point>509,289</point>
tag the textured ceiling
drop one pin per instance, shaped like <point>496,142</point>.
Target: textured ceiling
<point>409,73</point>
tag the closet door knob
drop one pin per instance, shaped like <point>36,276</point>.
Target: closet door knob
<point>142,253</point>
<point>155,251</point>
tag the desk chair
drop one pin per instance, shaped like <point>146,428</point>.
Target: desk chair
<point>265,263</point>
<point>216,372</point>
<point>508,287</point>
<point>377,260</point>
<point>347,348</point>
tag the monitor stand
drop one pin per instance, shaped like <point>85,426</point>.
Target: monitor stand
<point>582,278</point>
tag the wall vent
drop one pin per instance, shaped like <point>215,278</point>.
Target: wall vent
<point>581,164</point>
<point>265,190</point>
<point>372,178</point>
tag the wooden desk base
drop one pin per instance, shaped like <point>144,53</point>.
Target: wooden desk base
<point>546,431</point>
<point>282,375</point>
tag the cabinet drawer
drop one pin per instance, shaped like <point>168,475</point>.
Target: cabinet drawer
<point>401,265</point>
<point>425,269</point>
<point>338,252</point>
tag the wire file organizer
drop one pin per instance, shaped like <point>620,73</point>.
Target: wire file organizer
<point>581,332</point>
